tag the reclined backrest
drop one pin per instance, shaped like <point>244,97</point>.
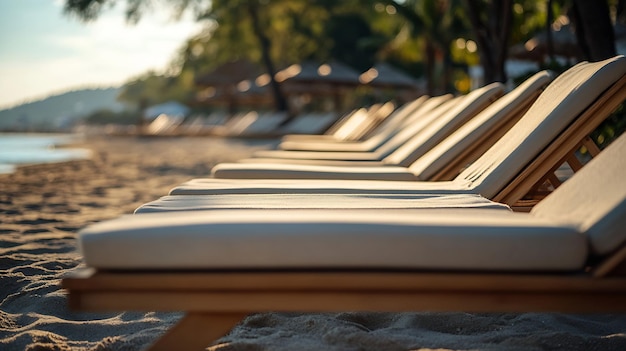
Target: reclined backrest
<point>594,199</point>
<point>555,109</point>
<point>419,119</point>
<point>352,122</point>
<point>393,124</point>
<point>482,126</point>
<point>397,117</point>
<point>376,115</point>
<point>445,124</point>
<point>409,108</point>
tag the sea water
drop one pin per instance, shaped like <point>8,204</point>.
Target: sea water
<point>23,149</point>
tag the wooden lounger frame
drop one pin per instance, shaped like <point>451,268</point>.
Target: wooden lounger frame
<point>216,301</point>
<point>561,150</point>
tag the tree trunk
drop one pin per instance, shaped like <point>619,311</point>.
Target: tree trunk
<point>430,66</point>
<point>503,11</point>
<point>549,41</point>
<point>594,29</point>
<point>621,11</point>
<point>448,84</point>
<point>492,37</point>
<point>280,102</point>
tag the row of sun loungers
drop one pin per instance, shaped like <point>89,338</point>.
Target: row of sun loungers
<point>351,126</point>
<point>246,125</point>
<point>268,124</point>
<point>434,230</point>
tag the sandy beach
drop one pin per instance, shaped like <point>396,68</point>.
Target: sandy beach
<point>43,206</point>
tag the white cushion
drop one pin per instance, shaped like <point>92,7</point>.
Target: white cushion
<point>412,149</point>
<point>318,155</point>
<point>295,171</point>
<point>490,240</point>
<point>494,116</point>
<point>425,114</point>
<point>444,125</point>
<point>560,104</point>
<point>431,110</point>
<point>385,131</point>
<point>339,163</point>
<point>315,201</point>
<point>428,164</point>
<point>595,199</point>
<point>309,123</point>
<point>215,186</point>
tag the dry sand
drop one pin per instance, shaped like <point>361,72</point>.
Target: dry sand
<point>42,207</point>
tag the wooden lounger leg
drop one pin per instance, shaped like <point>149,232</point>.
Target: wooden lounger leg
<point>195,331</point>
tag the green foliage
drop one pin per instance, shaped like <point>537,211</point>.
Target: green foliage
<point>352,41</point>
<point>299,30</point>
<point>89,10</point>
<point>86,10</point>
<point>529,18</point>
<point>151,88</point>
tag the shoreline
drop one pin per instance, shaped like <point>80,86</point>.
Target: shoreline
<point>43,206</point>
<point>28,149</point>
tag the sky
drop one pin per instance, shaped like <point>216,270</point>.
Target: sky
<point>45,52</point>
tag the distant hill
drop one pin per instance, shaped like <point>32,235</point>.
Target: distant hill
<point>60,111</point>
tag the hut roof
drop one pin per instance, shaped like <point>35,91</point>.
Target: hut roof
<point>230,73</point>
<point>385,75</point>
<point>311,72</point>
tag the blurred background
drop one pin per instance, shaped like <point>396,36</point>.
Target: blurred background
<point>203,62</point>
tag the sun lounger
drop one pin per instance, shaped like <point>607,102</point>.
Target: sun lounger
<point>513,169</point>
<point>262,125</point>
<point>566,255</point>
<point>165,125</point>
<point>381,134</point>
<point>309,123</point>
<point>329,133</point>
<point>419,119</point>
<point>450,113</point>
<point>352,126</point>
<point>465,145</point>
<point>397,202</point>
<point>376,115</point>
